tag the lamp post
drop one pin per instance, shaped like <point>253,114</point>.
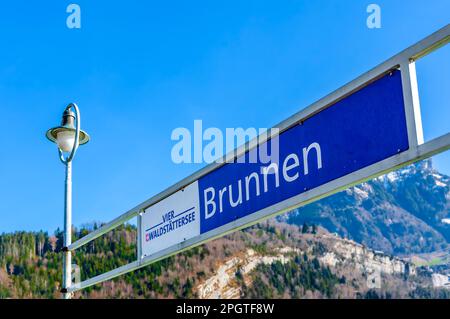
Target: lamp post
<point>68,137</point>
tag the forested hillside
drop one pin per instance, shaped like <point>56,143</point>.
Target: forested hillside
<point>325,252</point>
<point>286,262</point>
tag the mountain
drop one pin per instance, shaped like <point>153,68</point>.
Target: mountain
<point>269,260</point>
<point>403,212</point>
<point>387,238</point>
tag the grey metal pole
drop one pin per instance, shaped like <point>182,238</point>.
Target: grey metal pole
<point>67,256</point>
<point>68,125</point>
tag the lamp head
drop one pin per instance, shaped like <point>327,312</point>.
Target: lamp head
<point>64,135</point>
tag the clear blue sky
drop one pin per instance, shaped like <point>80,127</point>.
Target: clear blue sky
<point>139,69</point>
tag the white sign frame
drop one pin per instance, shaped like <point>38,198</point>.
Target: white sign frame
<point>405,61</point>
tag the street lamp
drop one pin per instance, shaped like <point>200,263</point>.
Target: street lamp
<point>68,137</point>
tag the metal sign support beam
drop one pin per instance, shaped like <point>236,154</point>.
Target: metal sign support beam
<point>418,150</point>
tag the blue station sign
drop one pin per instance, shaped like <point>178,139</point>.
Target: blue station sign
<point>357,131</point>
<point>363,128</point>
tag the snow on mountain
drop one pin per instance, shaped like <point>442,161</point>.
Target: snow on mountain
<point>405,211</point>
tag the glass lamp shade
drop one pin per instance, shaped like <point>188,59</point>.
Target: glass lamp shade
<point>65,140</point>
<point>64,137</point>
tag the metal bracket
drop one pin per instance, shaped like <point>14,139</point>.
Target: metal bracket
<point>139,236</point>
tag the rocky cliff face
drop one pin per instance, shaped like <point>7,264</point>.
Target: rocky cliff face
<point>223,284</point>
<point>365,260</point>
<point>357,268</point>
<point>404,212</point>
